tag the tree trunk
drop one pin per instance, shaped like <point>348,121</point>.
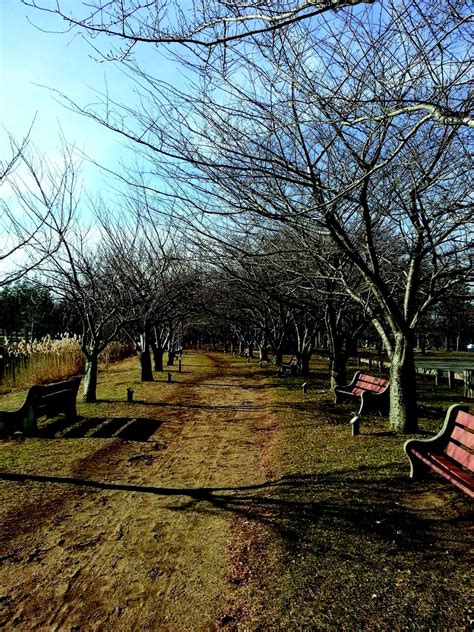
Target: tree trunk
<point>146,372</point>
<point>158,357</point>
<point>278,357</point>
<point>403,398</point>
<point>90,379</point>
<point>305,360</point>
<point>423,345</point>
<point>458,342</point>
<point>144,357</point>
<point>338,369</point>
<point>338,359</point>
<point>171,356</point>
<point>448,343</point>
<point>263,352</point>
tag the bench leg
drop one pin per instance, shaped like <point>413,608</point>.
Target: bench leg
<point>355,426</point>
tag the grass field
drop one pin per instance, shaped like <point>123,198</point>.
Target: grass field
<point>228,499</point>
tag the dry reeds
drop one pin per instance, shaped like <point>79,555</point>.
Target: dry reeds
<point>41,361</point>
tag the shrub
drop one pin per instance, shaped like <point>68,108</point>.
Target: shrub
<point>114,352</point>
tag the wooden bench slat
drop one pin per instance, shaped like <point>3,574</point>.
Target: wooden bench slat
<point>459,454</point>
<point>464,437</point>
<point>465,419</point>
<point>447,463</point>
<point>371,379</point>
<point>361,387</point>
<point>371,385</point>
<point>448,470</point>
<point>452,471</point>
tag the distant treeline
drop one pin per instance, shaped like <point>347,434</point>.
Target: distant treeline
<point>28,310</point>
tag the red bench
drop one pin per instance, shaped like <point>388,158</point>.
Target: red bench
<point>373,393</point>
<point>449,453</point>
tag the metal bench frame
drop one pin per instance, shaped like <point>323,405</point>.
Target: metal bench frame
<point>450,453</point>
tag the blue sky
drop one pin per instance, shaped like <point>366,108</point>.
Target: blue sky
<point>28,57</point>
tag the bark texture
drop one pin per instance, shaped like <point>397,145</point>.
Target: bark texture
<point>90,379</point>
<point>403,407</point>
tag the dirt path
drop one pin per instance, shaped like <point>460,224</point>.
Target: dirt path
<point>138,535</point>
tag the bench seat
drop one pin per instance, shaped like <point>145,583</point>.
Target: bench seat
<point>449,453</point>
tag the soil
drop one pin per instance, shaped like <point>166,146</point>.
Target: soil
<point>119,534</point>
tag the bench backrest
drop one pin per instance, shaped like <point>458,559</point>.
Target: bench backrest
<point>53,398</point>
<point>369,383</point>
<point>460,444</point>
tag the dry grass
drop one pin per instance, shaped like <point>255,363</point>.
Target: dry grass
<point>123,520</point>
<point>228,499</point>
<point>350,542</point>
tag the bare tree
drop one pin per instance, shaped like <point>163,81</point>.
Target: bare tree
<point>32,206</point>
<point>201,25</point>
<point>152,278</point>
<point>360,129</point>
<point>357,126</point>
<point>82,274</point>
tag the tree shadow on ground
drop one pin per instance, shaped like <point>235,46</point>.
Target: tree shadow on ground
<point>431,412</point>
<point>303,406</point>
<point>308,406</point>
<point>205,406</point>
<point>227,385</point>
<point>350,502</point>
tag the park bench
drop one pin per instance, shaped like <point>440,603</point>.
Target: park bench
<point>373,393</point>
<point>48,400</point>
<point>449,453</point>
<point>292,367</point>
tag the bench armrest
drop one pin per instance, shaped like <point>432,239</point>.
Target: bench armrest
<point>435,443</point>
<point>349,386</point>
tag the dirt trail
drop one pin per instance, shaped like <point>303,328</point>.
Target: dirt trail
<point>146,544</point>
